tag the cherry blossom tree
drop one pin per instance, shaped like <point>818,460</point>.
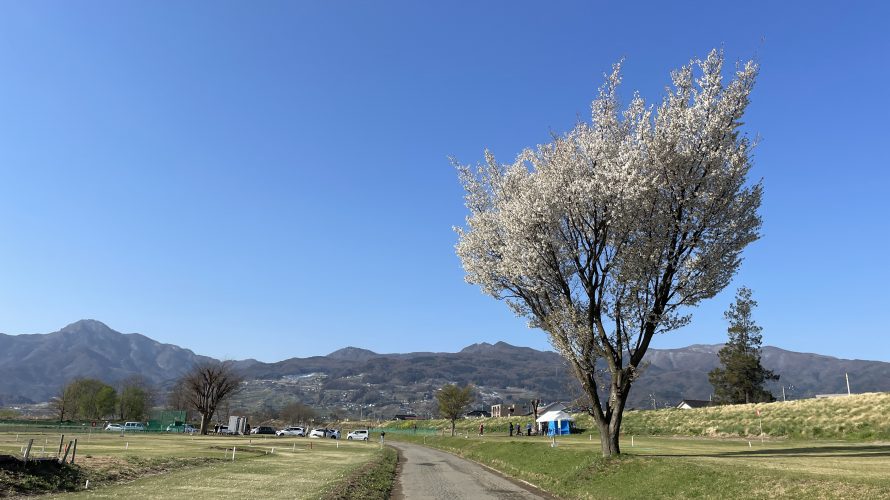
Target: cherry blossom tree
<point>607,235</point>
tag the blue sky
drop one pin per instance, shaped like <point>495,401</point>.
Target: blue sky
<point>271,179</point>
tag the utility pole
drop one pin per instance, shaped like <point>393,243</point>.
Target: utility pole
<point>848,382</point>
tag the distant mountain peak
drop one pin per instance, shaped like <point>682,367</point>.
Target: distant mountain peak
<point>477,347</point>
<point>353,354</point>
<point>485,347</point>
<point>87,326</point>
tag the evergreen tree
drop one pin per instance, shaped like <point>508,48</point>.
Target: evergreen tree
<point>741,378</point>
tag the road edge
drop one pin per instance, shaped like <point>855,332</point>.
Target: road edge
<point>522,483</point>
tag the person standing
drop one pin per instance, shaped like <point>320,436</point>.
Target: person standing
<point>481,429</point>
<point>511,429</point>
<point>528,429</point>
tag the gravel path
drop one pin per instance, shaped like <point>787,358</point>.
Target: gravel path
<point>432,474</point>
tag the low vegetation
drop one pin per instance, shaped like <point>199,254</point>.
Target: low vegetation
<point>372,481</point>
<point>16,479</point>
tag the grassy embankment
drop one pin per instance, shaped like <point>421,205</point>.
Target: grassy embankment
<point>177,466</point>
<point>859,417</point>
<point>709,463</point>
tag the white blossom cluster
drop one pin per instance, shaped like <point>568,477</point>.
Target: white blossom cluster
<point>602,236</point>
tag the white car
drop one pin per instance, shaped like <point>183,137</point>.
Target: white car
<point>292,431</point>
<point>318,433</point>
<point>134,427</point>
<point>185,429</point>
<point>334,433</point>
<point>361,435</point>
<point>114,427</point>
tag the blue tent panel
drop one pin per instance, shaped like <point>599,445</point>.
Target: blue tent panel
<point>558,428</point>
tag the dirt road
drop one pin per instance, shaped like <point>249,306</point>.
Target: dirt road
<point>433,474</point>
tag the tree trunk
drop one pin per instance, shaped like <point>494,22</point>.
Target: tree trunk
<point>452,428</point>
<point>609,422</point>
<point>609,433</point>
<point>205,423</point>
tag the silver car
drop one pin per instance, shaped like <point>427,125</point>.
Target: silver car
<point>360,435</point>
<point>292,431</point>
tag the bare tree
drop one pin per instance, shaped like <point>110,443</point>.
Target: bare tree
<point>298,413</point>
<point>63,404</point>
<point>607,235</point>
<point>177,399</point>
<point>208,384</point>
<point>534,404</point>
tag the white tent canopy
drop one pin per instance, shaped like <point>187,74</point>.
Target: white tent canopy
<point>555,416</point>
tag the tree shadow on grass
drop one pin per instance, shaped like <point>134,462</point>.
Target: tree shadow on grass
<point>875,451</point>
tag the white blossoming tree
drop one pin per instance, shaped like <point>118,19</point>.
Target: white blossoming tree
<point>606,236</point>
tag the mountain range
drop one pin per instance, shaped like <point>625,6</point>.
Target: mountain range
<point>352,380</point>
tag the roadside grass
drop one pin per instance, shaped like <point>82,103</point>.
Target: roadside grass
<point>372,481</point>
<point>194,467</point>
<point>682,468</point>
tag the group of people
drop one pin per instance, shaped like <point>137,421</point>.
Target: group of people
<point>518,429</point>
<point>528,429</point>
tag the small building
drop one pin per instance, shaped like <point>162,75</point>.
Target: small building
<point>554,406</point>
<point>691,404</point>
<point>404,416</point>
<point>477,414</point>
<point>503,410</point>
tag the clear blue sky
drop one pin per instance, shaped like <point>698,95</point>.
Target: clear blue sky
<point>271,179</point>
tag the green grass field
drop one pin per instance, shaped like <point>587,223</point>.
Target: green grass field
<point>815,448</point>
<point>181,466</point>
<point>657,467</point>
<point>861,417</point>
<point>828,448</point>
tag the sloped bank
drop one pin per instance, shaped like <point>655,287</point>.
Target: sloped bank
<point>858,417</point>
<point>371,481</point>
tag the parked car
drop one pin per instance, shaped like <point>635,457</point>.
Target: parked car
<point>224,429</point>
<point>134,427</point>
<point>334,433</point>
<point>361,435</point>
<point>187,428</point>
<point>318,433</point>
<point>263,429</point>
<point>292,431</point>
<point>114,427</point>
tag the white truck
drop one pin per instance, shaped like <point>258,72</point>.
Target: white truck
<point>237,425</point>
